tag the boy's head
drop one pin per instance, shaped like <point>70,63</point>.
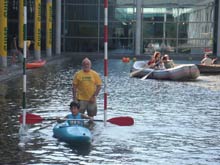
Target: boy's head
<point>74,107</point>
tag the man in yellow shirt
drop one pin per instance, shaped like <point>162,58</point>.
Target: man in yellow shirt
<point>86,86</point>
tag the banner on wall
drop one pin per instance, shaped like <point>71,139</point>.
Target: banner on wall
<point>49,26</point>
<point>3,28</point>
<point>21,24</point>
<point>37,20</point>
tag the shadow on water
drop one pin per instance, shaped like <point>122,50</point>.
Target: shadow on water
<point>80,149</point>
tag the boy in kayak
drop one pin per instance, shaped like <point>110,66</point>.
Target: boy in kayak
<point>75,114</point>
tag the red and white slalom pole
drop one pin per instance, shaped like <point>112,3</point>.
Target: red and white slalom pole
<point>24,64</point>
<point>105,58</point>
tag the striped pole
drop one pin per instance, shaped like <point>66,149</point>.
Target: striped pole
<point>105,58</point>
<point>24,63</point>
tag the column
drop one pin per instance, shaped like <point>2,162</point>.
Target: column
<point>138,28</point>
<point>49,28</point>
<point>218,28</point>
<point>37,30</point>
<point>21,25</point>
<point>58,27</point>
<point>3,32</point>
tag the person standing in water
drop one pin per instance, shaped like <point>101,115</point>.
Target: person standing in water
<point>86,85</point>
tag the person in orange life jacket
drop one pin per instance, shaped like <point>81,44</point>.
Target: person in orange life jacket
<point>86,85</point>
<point>75,114</point>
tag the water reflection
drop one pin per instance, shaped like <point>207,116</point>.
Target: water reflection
<point>80,149</point>
<point>175,122</point>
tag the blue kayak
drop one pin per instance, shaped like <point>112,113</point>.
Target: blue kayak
<point>72,133</point>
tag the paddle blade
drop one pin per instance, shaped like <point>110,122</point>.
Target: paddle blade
<point>122,121</point>
<point>31,118</point>
<point>136,72</point>
<point>146,76</point>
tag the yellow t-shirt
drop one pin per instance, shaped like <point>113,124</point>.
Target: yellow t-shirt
<point>86,83</point>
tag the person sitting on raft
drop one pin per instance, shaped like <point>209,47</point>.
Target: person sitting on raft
<point>206,60</point>
<point>155,62</point>
<point>167,62</point>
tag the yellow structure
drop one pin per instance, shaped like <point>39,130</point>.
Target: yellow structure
<point>21,24</point>
<point>49,28</point>
<point>37,29</point>
<point>3,28</point>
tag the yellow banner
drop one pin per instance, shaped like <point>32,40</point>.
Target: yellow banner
<point>37,25</point>
<point>49,25</point>
<point>3,27</point>
<point>21,24</point>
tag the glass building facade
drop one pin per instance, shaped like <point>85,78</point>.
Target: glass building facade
<point>170,26</point>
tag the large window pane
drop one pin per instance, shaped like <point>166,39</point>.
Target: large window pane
<point>153,30</point>
<point>172,26</point>
<point>68,2</point>
<point>81,29</point>
<point>81,45</point>
<point>81,12</point>
<point>171,30</point>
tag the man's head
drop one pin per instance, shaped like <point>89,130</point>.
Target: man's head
<point>86,64</point>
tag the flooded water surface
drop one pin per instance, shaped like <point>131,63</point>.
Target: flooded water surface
<point>175,122</point>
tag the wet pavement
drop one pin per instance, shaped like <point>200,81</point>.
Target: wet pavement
<point>15,70</point>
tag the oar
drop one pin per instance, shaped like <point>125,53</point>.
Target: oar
<point>121,121</point>
<point>146,76</point>
<point>137,71</point>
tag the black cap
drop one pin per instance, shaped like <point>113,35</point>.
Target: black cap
<point>74,104</point>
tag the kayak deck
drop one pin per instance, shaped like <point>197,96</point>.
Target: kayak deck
<point>72,134</point>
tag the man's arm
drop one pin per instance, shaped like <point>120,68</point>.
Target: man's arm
<point>98,88</point>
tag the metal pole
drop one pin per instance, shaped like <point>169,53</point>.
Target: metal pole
<point>138,28</point>
<point>218,29</point>
<point>58,26</point>
<point>99,5</point>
